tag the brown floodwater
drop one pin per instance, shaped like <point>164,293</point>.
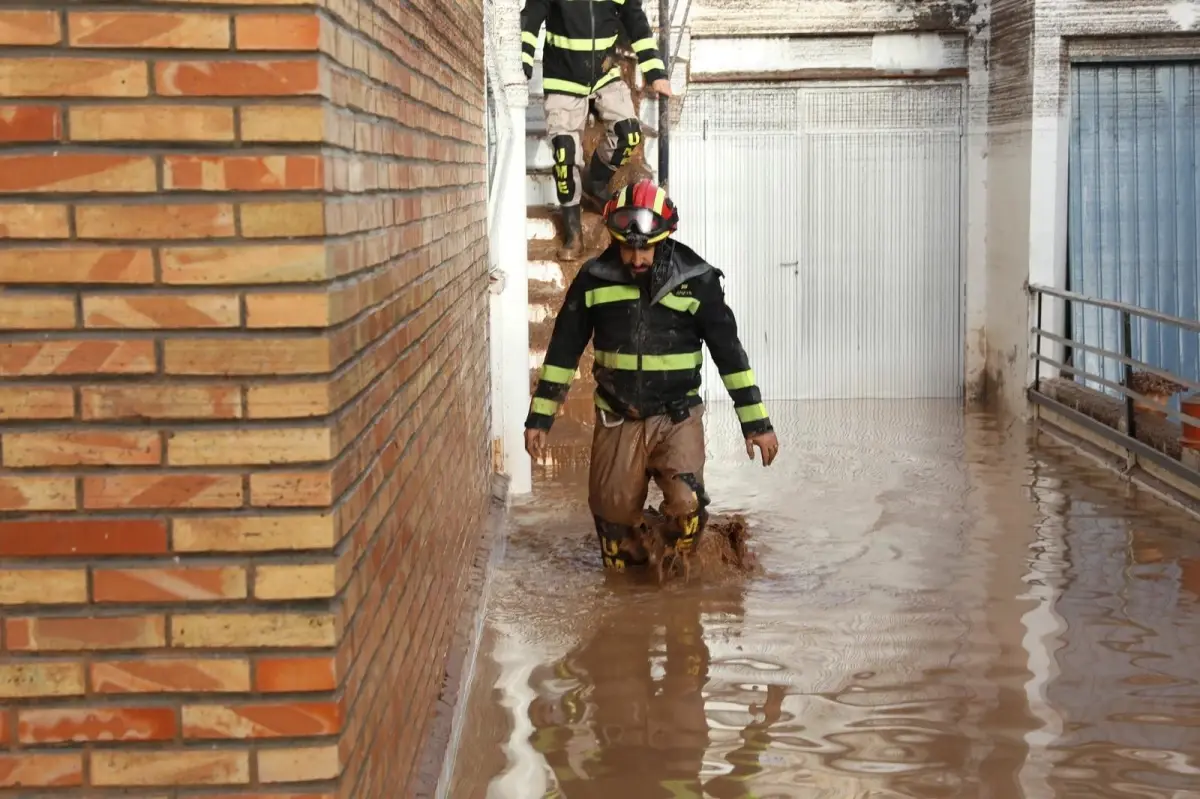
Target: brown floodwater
<point>944,610</point>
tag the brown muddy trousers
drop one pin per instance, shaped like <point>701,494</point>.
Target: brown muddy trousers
<point>626,455</point>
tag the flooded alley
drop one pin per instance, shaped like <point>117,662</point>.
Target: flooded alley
<point>943,611</point>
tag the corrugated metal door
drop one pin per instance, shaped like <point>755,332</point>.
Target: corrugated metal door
<point>835,212</point>
<point>1134,223</point>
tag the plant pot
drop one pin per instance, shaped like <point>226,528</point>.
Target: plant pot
<point>1153,410</point>
<point>1191,431</point>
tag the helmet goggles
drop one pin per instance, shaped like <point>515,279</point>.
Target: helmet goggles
<point>641,215</point>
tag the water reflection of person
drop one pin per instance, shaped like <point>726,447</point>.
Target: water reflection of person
<point>611,724</point>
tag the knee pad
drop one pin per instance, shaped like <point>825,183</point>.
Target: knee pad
<point>693,524</point>
<point>564,167</point>
<point>629,136</point>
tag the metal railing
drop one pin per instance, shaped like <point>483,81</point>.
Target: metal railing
<point>1125,388</point>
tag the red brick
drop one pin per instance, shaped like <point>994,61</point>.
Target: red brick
<point>278,31</point>
<point>29,28</point>
<point>36,492</point>
<point>75,173</point>
<point>96,448</point>
<point>171,675</point>
<point>237,78</point>
<point>38,222</point>
<point>197,584</point>
<point>262,720</point>
<point>95,356</point>
<point>77,265</point>
<point>29,123</point>
<point>5,728</point>
<point>81,538</point>
<point>36,403</point>
<point>168,401</point>
<point>294,675</point>
<point>161,311</point>
<point>159,768</point>
<point>151,30</point>
<point>73,77</point>
<point>75,635</point>
<point>159,221</point>
<point>162,491</point>
<point>243,173</point>
<point>80,725</point>
<point>25,770</point>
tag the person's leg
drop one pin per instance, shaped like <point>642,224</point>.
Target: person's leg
<point>566,116</point>
<point>614,106</point>
<point>677,463</point>
<point>617,488</point>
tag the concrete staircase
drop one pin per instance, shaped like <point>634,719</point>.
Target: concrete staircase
<point>548,277</point>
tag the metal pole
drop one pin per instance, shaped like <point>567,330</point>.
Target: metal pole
<point>664,103</point>
<point>1127,372</point>
<point>1037,362</point>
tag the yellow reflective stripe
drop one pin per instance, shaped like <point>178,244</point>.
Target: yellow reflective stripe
<point>622,197</point>
<point>650,363</point>
<point>738,380</point>
<point>643,44</point>
<point>583,45</point>
<point>649,241</point>
<point>681,789</point>
<point>613,74</point>
<point>751,413</point>
<point>684,304</point>
<point>660,200</point>
<point>544,406</point>
<point>653,63</point>
<point>571,87</point>
<point>611,294</point>
<point>529,38</point>
<point>557,374</point>
<point>527,58</point>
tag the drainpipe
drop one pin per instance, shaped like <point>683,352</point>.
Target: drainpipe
<point>664,103</point>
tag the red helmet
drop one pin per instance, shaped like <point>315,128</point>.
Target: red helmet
<point>641,215</point>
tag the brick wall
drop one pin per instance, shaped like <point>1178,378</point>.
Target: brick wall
<point>243,389</point>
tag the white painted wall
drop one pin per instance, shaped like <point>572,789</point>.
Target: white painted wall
<point>508,249</point>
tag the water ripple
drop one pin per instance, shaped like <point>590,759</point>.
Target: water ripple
<point>945,613</point>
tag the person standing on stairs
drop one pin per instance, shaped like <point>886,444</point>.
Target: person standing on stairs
<point>581,75</point>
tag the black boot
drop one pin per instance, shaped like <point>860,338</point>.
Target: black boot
<point>595,185</point>
<point>572,243</point>
<point>619,545</point>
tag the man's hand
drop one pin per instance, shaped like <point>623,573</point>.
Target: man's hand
<point>767,444</point>
<point>662,87</point>
<point>535,442</point>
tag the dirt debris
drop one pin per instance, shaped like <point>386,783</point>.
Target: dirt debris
<point>723,550</point>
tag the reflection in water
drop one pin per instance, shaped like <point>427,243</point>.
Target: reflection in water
<point>944,614</point>
<point>624,713</point>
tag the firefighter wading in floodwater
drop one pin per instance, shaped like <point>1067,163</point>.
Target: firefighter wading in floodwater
<point>580,74</point>
<point>651,303</point>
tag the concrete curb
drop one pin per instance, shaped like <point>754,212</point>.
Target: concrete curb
<point>437,760</point>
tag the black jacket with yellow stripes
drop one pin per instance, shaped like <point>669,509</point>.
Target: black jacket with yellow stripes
<point>648,340</point>
<point>580,37</point>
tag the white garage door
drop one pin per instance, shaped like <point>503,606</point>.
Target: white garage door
<point>835,212</point>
